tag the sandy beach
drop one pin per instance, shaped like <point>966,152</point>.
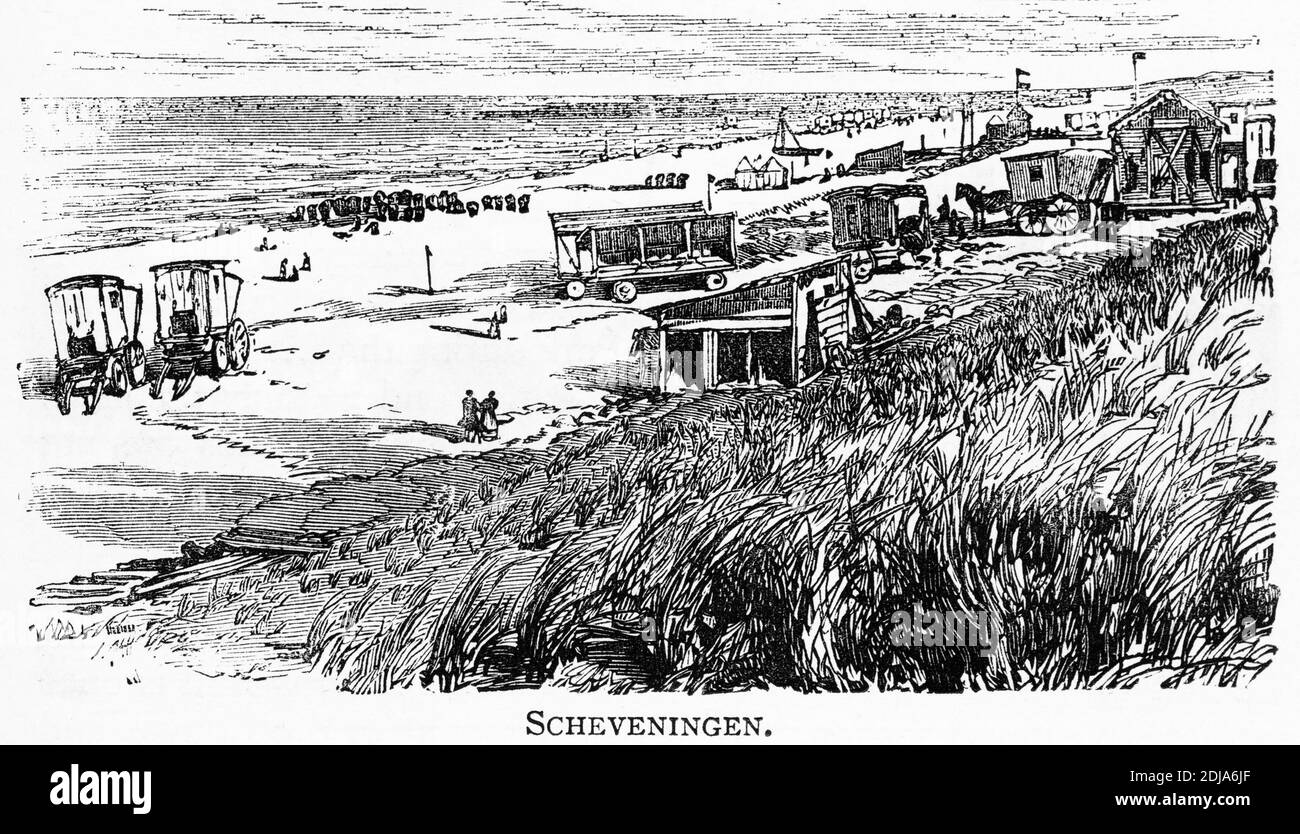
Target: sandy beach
<point>359,367</point>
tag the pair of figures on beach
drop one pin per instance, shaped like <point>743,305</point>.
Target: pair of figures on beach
<point>478,420</point>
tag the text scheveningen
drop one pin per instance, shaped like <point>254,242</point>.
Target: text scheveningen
<point>709,726</point>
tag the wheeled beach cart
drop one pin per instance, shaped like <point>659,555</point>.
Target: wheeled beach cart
<point>197,325</point>
<point>1059,191</point>
<point>674,246</point>
<point>96,322</point>
<point>879,222</point>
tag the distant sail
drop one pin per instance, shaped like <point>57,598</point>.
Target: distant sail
<point>787,144</point>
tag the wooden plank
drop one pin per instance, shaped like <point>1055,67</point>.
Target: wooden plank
<point>206,570</point>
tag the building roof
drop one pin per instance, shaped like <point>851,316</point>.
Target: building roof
<point>1018,111</point>
<point>1158,98</point>
<point>881,190</point>
<point>84,281</point>
<point>207,264</point>
<point>745,165</point>
<point>772,165</point>
<point>576,222</point>
<point>662,311</point>
<point>890,149</point>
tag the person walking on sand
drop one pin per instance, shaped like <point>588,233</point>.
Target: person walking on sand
<point>284,269</point>
<point>494,327</point>
<point>469,419</point>
<point>306,262</point>
<point>487,409</point>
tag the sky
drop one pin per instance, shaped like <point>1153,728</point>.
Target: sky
<point>159,47</point>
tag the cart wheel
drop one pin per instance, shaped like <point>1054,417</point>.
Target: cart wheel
<point>1030,221</point>
<point>92,399</point>
<point>715,281</point>
<point>864,266</point>
<point>116,381</point>
<point>1063,216</point>
<point>913,243</point>
<point>185,380</point>
<point>623,292</point>
<point>155,387</point>
<point>220,358</point>
<point>238,345</point>
<point>135,364</point>
<point>63,395</point>
<point>575,289</point>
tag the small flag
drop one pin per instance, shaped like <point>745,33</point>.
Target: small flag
<point>1021,85</point>
<point>1139,56</point>
<point>712,178</point>
<point>428,253</point>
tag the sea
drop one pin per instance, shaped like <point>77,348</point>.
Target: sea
<point>103,172</point>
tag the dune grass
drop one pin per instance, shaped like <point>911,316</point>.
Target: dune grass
<point>1073,460</point>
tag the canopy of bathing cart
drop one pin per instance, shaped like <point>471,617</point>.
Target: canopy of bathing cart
<point>92,315</point>
<point>194,297</point>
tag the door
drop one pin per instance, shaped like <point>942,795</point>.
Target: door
<point>852,222</point>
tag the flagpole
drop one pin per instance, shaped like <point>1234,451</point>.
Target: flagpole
<point>1135,79</point>
<point>428,266</point>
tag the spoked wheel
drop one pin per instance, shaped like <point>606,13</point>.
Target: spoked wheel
<point>864,266</point>
<point>116,381</point>
<point>575,290</point>
<point>1030,221</point>
<point>623,292</point>
<point>715,281</point>
<point>1063,216</point>
<point>63,395</point>
<point>220,357</point>
<point>135,364</point>
<point>238,345</point>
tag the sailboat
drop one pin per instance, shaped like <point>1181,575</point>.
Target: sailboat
<point>787,144</point>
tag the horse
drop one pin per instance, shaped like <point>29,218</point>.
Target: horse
<point>982,202</point>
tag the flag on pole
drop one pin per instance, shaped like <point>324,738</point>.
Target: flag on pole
<point>1139,56</point>
<point>1021,85</point>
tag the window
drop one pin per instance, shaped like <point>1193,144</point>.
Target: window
<point>1232,117</point>
<point>114,299</point>
<point>1035,173</point>
<point>1206,162</point>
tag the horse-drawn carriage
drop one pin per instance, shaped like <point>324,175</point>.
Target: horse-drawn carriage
<point>880,222</point>
<point>97,348</point>
<point>1058,191</point>
<point>197,326</point>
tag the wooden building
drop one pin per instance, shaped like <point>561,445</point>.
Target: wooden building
<point>1261,163</point>
<point>879,160</point>
<point>1167,150</point>
<point>1013,128</point>
<point>775,330</point>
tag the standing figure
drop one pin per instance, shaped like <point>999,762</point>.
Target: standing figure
<point>284,269</point>
<point>494,328</point>
<point>944,210</point>
<point>469,424</point>
<point>306,259</point>
<point>487,409</point>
